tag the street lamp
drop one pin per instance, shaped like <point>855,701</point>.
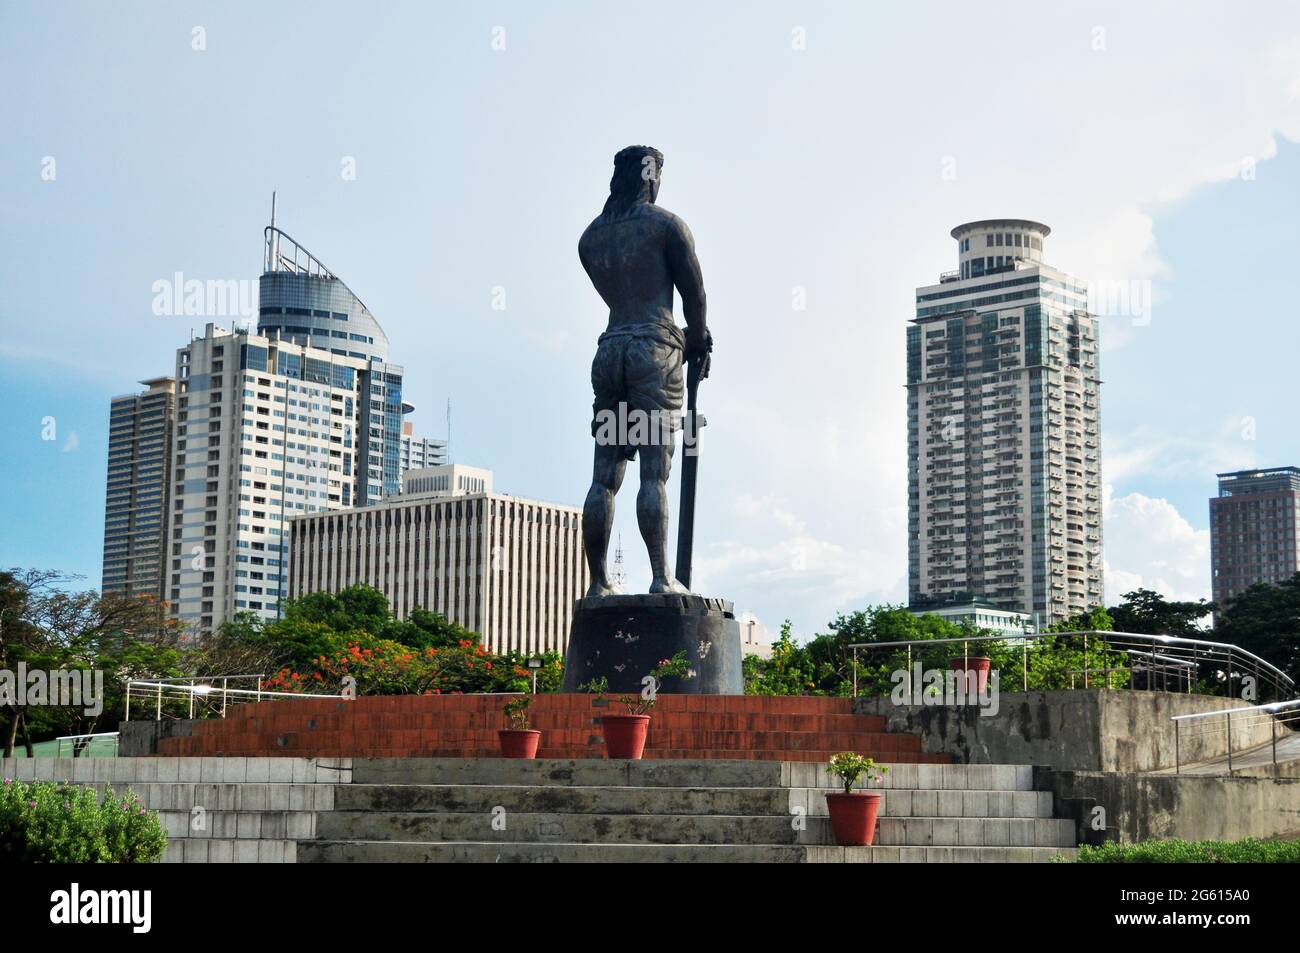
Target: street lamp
<point>534,664</point>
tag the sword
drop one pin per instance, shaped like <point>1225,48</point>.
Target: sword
<point>697,369</point>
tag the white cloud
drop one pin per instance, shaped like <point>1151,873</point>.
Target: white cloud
<point>1146,452</point>
<point>1149,545</point>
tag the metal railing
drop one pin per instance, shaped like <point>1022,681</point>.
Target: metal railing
<point>1285,714</point>
<point>1159,659</point>
<point>78,743</point>
<point>211,695</point>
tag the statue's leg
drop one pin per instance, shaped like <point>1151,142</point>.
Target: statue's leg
<point>598,515</point>
<point>652,513</point>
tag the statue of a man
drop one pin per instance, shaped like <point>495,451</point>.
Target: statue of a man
<point>635,254</point>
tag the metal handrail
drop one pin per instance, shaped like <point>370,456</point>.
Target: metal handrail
<point>1270,707</point>
<point>1160,650</point>
<point>58,751</point>
<point>193,687</point>
<point>1246,712</point>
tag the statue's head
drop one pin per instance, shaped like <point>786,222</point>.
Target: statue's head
<point>637,170</point>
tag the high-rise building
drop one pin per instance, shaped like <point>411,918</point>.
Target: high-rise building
<point>1004,462</point>
<point>139,484</point>
<point>302,301</point>
<point>304,415</point>
<point>419,453</point>
<point>1254,526</point>
<point>507,568</point>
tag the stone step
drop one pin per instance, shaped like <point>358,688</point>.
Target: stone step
<point>510,827</point>
<point>282,770</point>
<point>240,825</point>
<point>482,798</point>
<point>222,850</point>
<point>677,773</point>
<point>962,831</point>
<point>575,799</point>
<point>502,825</point>
<point>487,852</point>
<point>235,796</point>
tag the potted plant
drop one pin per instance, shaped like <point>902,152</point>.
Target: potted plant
<point>966,665</point>
<point>625,735</point>
<point>519,741</point>
<point>853,813</point>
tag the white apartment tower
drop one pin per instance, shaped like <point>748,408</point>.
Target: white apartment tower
<point>1004,459</point>
<point>418,453</point>
<point>303,416</point>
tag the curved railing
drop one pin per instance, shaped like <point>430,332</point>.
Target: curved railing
<point>1161,661</point>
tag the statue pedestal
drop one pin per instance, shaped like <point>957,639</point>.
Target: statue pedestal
<point>624,637</point>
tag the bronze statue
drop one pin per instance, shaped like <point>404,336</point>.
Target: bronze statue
<point>635,253</point>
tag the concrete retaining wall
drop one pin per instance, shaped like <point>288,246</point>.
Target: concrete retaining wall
<point>1145,807</point>
<point>1080,730</point>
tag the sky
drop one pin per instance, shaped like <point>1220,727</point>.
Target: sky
<point>444,158</point>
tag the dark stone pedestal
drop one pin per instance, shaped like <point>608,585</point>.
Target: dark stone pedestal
<point>624,637</point>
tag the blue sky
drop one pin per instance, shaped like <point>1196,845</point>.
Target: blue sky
<point>820,168</point>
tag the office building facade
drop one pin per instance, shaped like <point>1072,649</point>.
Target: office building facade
<point>507,568</point>
<point>1254,527</point>
<point>139,487</point>
<point>1004,458</point>
<point>304,415</point>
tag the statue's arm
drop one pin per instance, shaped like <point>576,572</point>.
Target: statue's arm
<point>690,285</point>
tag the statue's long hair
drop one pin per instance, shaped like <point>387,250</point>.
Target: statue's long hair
<point>629,185</point>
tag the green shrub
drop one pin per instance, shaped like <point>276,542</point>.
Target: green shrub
<point>59,823</point>
<point>1248,851</point>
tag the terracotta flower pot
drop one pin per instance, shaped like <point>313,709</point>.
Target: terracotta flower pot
<point>519,743</point>
<point>853,817</point>
<point>978,664</point>
<point>625,735</point>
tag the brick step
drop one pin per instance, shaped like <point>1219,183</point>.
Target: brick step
<point>185,748</point>
<point>404,704</point>
<point>545,721</point>
<point>487,741</point>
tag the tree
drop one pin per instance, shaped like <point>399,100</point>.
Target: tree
<point>1095,619</point>
<point>1148,612</point>
<point>52,630</point>
<point>1265,620</point>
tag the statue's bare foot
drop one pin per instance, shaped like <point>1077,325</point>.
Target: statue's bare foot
<point>600,589</point>
<point>668,584</point>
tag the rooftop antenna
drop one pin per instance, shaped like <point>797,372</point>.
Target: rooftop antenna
<point>449,460</point>
<point>618,576</point>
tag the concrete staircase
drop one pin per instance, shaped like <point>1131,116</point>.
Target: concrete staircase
<point>465,726</point>
<point>220,809</point>
<point>686,812</point>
